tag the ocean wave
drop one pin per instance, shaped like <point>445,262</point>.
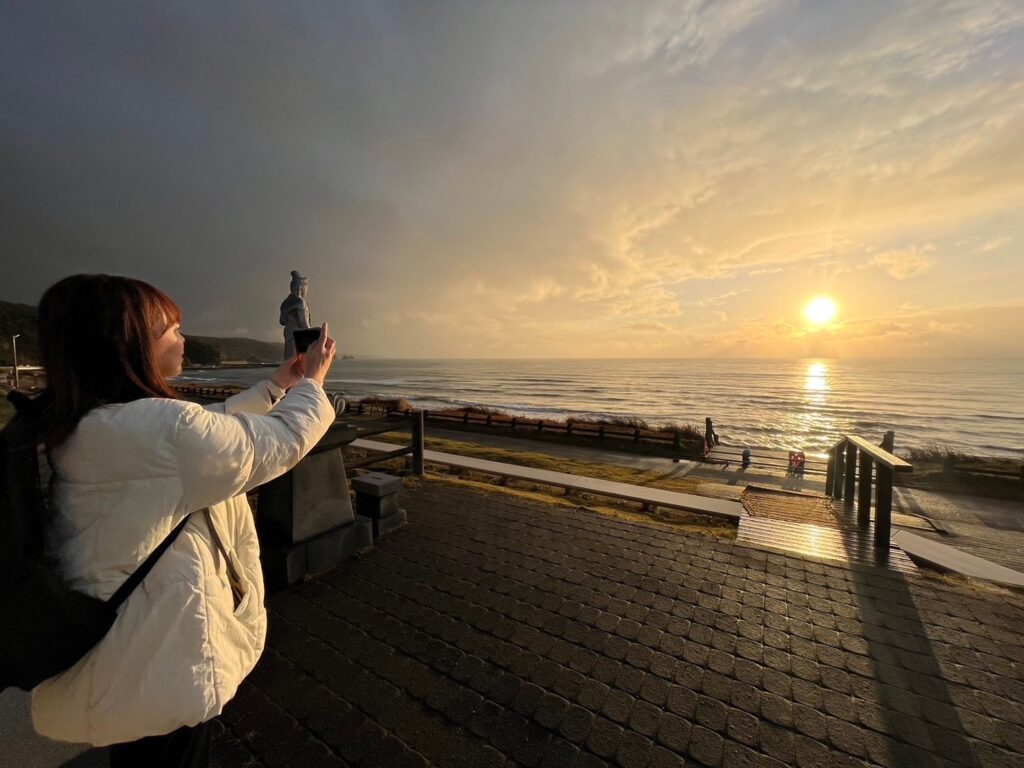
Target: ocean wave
<point>967,406</point>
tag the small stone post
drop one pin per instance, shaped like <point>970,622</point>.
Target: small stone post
<point>377,499</point>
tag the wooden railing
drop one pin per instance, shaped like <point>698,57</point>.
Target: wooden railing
<point>849,475</point>
<point>673,438</point>
<point>411,420</point>
<point>414,450</point>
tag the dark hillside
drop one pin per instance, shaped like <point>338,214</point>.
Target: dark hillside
<point>21,318</point>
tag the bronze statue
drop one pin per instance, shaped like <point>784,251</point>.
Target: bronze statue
<point>294,312</point>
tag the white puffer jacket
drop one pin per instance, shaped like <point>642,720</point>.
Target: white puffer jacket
<point>128,474</point>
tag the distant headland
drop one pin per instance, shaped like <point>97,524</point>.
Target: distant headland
<point>200,351</point>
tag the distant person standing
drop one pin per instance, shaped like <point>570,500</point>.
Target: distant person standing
<point>710,437</point>
<point>294,312</point>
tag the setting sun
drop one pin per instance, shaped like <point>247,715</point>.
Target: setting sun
<point>820,310</point>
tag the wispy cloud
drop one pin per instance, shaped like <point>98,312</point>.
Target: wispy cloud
<point>993,245</point>
<point>907,262</point>
<point>562,178</point>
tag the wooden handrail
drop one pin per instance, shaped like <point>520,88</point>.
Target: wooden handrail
<point>880,455</point>
<point>850,478</point>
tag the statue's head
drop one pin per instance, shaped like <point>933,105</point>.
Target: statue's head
<point>299,284</point>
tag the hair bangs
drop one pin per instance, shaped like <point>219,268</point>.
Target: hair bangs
<point>158,306</point>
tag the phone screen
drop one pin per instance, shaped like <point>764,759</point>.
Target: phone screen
<point>304,337</point>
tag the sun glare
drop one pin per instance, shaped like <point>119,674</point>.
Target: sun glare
<point>820,310</point>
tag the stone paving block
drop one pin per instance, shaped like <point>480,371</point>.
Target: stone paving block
<point>645,718</point>
<point>576,724</point>
<point>777,710</point>
<point>550,710</point>
<point>665,758</point>
<point>603,739</point>
<point>674,733</point>
<point>588,760</point>
<point>634,751</point>
<point>630,680</point>
<point>711,713</point>
<point>706,746</point>
<point>726,654</point>
<point>560,753</point>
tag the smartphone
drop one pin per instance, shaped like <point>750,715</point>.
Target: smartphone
<point>304,337</point>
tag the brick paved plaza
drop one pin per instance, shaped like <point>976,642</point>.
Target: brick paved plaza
<point>495,631</point>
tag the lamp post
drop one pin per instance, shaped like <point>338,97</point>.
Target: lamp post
<point>14,342</point>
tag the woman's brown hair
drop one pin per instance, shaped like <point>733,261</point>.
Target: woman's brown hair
<point>96,344</point>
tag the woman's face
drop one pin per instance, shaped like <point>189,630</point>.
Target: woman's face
<point>169,347</point>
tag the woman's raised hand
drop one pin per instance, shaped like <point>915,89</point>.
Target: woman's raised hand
<point>318,358</point>
<point>289,373</point>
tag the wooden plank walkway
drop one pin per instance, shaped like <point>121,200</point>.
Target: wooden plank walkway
<point>827,543</point>
<point>947,558</point>
<point>831,541</point>
<point>701,505</point>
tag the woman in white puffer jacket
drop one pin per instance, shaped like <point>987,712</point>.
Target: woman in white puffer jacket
<point>130,461</point>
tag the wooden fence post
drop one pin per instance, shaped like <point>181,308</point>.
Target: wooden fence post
<point>864,496</point>
<point>839,478</point>
<point>889,441</point>
<point>851,474</point>
<point>883,507</point>
<point>418,442</point>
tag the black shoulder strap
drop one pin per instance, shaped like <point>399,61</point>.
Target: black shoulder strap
<point>143,570</point>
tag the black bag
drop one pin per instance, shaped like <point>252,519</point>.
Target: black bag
<point>46,625</point>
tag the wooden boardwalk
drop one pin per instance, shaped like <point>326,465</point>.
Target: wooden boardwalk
<point>948,558</point>
<point>701,505</point>
<point>805,524</point>
<point>822,542</point>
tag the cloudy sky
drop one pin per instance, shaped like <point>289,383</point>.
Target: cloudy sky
<point>531,179</point>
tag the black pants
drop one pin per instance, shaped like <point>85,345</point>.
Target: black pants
<point>183,748</point>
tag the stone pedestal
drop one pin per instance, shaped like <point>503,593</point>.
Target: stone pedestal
<point>309,500</point>
<point>377,499</point>
<point>305,520</point>
<point>287,564</point>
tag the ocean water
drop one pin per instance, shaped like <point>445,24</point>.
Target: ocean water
<point>976,406</point>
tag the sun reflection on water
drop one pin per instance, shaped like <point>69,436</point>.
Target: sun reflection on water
<point>816,381</point>
<point>813,418</point>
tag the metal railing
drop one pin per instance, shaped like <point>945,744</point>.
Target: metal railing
<point>855,467</point>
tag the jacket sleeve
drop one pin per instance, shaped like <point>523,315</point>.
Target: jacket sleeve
<point>257,399</point>
<point>224,455</point>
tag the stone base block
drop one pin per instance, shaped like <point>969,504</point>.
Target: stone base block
<point>325,552</point>
<point>287,564</point>
<point>388,524</point>
<point>283,564</point>
<point>376,507</point>
<point>377,494</point>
